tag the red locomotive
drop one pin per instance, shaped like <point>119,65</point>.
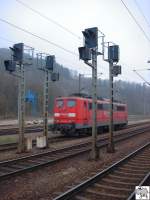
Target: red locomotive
<point>73,114</point>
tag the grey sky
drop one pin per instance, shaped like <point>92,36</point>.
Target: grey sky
<point>110,16</point>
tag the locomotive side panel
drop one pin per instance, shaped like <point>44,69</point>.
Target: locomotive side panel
<point>73,114</point>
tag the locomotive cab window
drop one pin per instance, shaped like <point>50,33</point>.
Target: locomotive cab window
<point>71,103</point>
<point>120,108</point>
<point>106,107</point>
<point>100,106</point>
<point>90,106</point>
<point>59,103</point>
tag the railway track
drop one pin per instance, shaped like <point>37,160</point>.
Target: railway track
<point>13,146</point>
<point>61,138</point>
<point>14,130</point>
<point>29,163</point>
<point>144,182</point>
<point>39,128</point>
<point>116,182</point>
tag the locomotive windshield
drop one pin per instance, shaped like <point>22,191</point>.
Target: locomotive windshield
<point>71,103</point>
<point>59,103</point>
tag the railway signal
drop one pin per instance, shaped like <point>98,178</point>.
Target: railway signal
<point>91,37</point>
<point>114,70</point>
<point>48,67</point>
<point>113,53</point>
<point>16,67</point>
<point>10,65</point>
<point>90,52</point>
<point>50,61</point>
<point>18,51</point>
<point>54,76</point>
<point>84,53</point>
<point>47,64</point>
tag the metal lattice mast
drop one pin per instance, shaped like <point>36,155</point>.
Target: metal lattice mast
<point>21,108</point>
<point>111,97</point>
<point>45,105</point>
<point>16,67</point>
<point>94,151</point>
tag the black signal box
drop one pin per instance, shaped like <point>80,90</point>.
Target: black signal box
<point>113,53</point>
<point>90,37</point>
<point>116,70</point>
<point>10,65</point>
<point>18,50</point>
<point>84,53</point>
<point>54,76</point>
<point>50,61</point>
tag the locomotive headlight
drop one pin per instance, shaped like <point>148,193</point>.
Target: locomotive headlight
<point>71,114</point>
<point>56,114</point>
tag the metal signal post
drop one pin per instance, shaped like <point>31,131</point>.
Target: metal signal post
<point>45,105</point>
<point>47,63</point>
<point>114,70</point>
<point>21,108</point>
<point>110,147</point>
<point>90,52</point>
<point>16,67</point>
<point>95,150</point>
<point>79,89</point>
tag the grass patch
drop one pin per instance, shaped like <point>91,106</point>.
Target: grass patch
<point>8,139</point>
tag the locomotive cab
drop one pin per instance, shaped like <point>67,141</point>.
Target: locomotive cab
<point>65,114</point>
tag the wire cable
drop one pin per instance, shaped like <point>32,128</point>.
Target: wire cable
<point>67,62</point>
<point>48,19</point>
<point>2,38</point>
<point>140,10</point>
<point>140,27</point>
<point>37,36</point>
<point>142,77</point>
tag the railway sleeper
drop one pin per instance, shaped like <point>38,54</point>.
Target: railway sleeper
<point>100,186</point>
<point>132,170</point>
<point>122,178</point>
<point>93,194</point>
<point>138,163</point>
<point>129,174</point>
<point>135,166</point>
<point>110,182</point>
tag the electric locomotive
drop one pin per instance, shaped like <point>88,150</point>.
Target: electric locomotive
<point>73,114</point>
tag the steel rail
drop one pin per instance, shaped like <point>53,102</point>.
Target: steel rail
<point>144,182</point>
<point>14,130</point>
<point>71,194</point>
<point>32,162</point>
<point>13,146</point>
<point>38,128</point>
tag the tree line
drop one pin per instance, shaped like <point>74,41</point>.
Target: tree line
<point>134,94</point>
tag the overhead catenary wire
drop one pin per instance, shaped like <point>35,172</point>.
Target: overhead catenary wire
<point>37,36</point>
<point>7,40</point>
<point>38,50</point>
<point>67,62</point>
<point>135,20</point>
<point>145,81</point>
<point>49,19</point>
<point>140,10</point>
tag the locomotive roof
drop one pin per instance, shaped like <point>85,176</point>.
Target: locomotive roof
<point>90,98</point>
